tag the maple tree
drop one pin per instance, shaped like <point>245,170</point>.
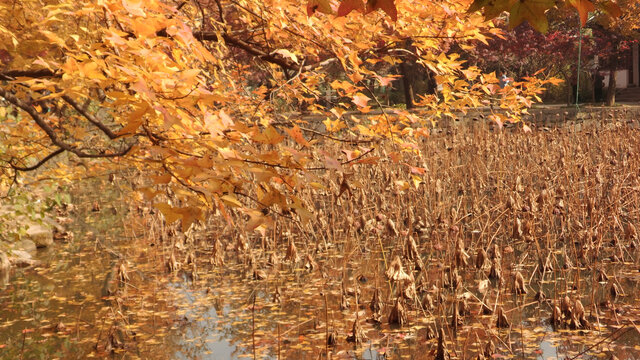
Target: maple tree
<point>198,94</point>
<point>615,35</point>
<point>200,98</point>
<point>535,11</point>
<point>523,51</point>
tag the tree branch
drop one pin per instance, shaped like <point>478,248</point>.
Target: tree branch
<point>92,119</point>
<point>290,65</point>
<point>38,73</point>
<point>51,132</point>
<point>39,163</point>
<point>200,35</point>
<point>315,132</point>
<point>220,12</point>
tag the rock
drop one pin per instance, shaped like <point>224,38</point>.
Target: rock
<point>21,258</point>
<point>39,229</point>
<point>54,224</point>
<point>25,245</point>
<point>41,235</point>
<point>4,262</point>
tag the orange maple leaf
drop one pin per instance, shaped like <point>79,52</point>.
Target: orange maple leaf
<point>361,100</point>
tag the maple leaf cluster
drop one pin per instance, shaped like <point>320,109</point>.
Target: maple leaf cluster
<point>202,97</point>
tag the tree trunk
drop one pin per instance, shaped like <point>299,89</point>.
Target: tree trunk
<point>407,84</point>
<point>611,90</point>
<point>594,79</point>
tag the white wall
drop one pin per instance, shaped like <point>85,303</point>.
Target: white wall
<point>635,55</point>
<point>622,79</point>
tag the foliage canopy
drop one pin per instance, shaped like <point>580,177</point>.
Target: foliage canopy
<point>202,94</point>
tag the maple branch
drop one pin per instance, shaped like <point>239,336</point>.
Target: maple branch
<point>345,162</point>
<point>92,119</point>
<point>384,113</point>
<point>350,141</point>
<point>270,164</point>
<point>358,157</point>
<point>204,18</point>
<point>180,181</point>
<point>182,4</point>
<point>235,42</point>
<point>10,75</point>
<point>80,109</point>
<point>39,163</point>
<point>235,191</point>
<point>241,44</point>
<point>310,168</point>
<point>268,207</point>
<point>51,132</point>
<point>220,12</point>
<point>315,132</point>
<point>290,65</point>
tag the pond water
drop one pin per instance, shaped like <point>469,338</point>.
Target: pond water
<point>221,322</point>
<point>62,307</point>
<point>60,310</point>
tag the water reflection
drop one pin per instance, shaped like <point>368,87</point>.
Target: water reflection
<point>219,320</point>
<point>58,309</point>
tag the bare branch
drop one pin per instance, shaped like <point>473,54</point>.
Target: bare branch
<point>220,12</point>
<point>38,73</point>
<point>200,35</point>
<point>51,132</point>
<point>92,119</point>
<point>319,133</point>
<point>39,163</point>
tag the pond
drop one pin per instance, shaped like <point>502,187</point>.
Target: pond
<point>108,292</point>
<point>59,310</point>
<point>64,307</point>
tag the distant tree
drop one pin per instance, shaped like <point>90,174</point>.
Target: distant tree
<point>614,37</point>
<point>524,51</point>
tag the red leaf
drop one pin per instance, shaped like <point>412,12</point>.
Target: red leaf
<point>368,160</point>
<point>387,6</point>
<point>348,6</point>
<point>350,154</point>
<point>417,170</point>
<point>385,81</point>
<point>331,163</point>
<point>584,7</point>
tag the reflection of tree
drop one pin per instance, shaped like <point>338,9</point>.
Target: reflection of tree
<point>230,324</point>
